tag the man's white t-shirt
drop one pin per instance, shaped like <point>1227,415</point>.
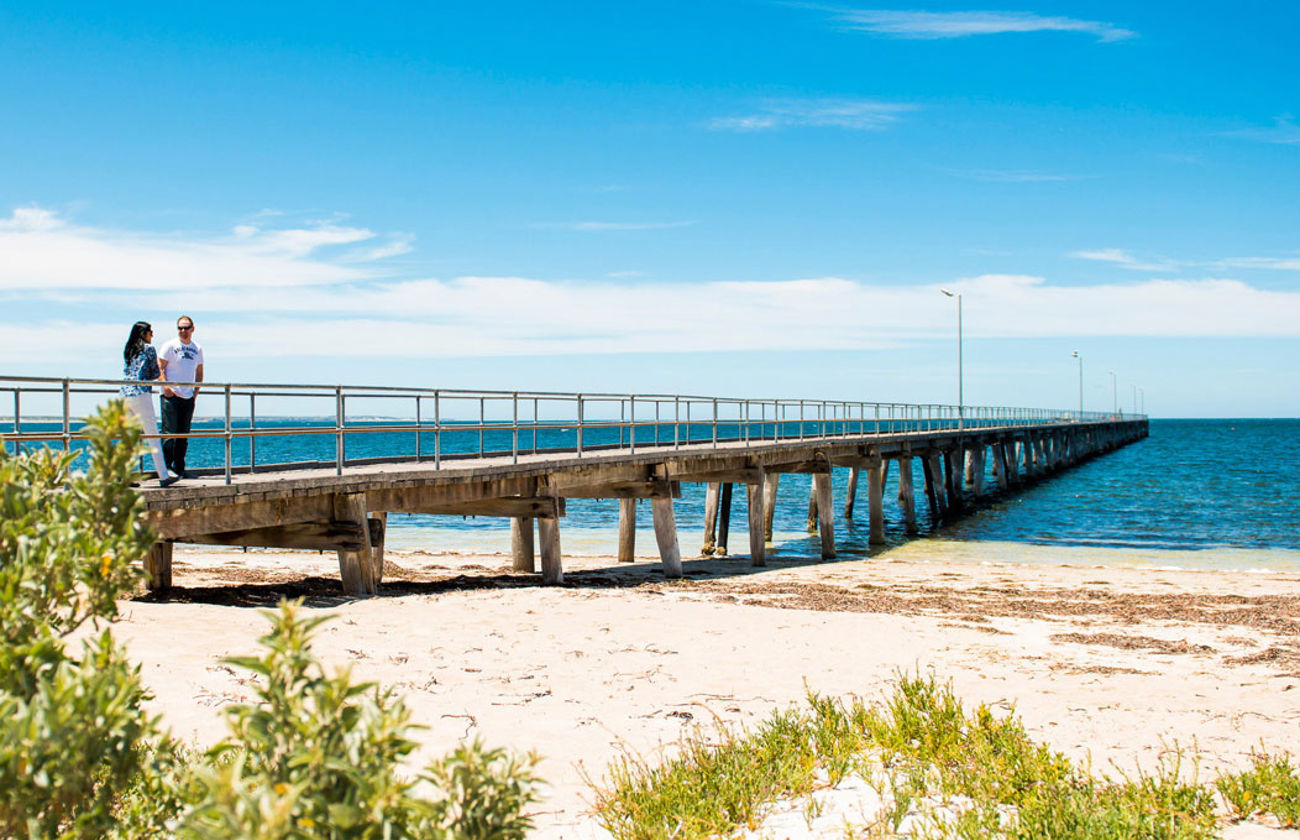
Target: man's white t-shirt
<point>182,361</point>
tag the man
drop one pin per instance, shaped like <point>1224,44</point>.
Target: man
<point>181,360</point>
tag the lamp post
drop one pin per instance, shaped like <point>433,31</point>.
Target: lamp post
<point>1142,404</point>
<point>1114,392</point>
<point>1135,399</point>
<point>1076,355</point>
<point>961,394</point>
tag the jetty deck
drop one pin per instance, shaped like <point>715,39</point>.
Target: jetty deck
<point>342,505</point>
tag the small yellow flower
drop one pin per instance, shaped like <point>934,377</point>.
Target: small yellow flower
<point>281,788</point>
<point>105,565</point>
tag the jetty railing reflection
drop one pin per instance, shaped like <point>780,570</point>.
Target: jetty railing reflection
<point>314,426</point>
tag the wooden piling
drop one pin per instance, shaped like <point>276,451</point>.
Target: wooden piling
<point>666,536</point>
<point>548,534</point>
<point>627,530</point>
<point>522,544</point>
<point>906,496</point>
<point>724,519</point>
<point>354,565</point>
<point>812,506</point>
<point>757,520</point>
<point>158,566</point>
<point>712,492</point>
<point>770,483</point>
<point>825,522</point>
<point>850,494</point>
<point>930,471</point>
<point>875,502</point>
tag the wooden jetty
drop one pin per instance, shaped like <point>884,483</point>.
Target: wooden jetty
<point>319,509</point>
<point>626,447</point>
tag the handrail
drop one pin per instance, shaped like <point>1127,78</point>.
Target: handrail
<point>577,423</point>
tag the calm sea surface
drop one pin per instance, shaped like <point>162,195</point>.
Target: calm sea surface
<point>1221,493</point>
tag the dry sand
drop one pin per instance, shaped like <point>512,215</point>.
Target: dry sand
<point>1115,665</point>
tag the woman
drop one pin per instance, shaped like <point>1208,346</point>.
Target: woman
<point>142,366</point>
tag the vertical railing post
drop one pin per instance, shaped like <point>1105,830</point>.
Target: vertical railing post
<point>631,428</point>
<point>514,428</point>
<point>339,455</point>
<point>580,425</point>
<point>18,421</point>
<point>252,433</point>
<point>67,415</point>
<point>418,455</point>
<point>677,419</point>
<point>482,422</point>
<point>228,436</point>
<point>715,422</point>
<point>437,430</point>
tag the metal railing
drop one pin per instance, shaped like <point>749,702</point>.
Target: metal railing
<point>371,424</point>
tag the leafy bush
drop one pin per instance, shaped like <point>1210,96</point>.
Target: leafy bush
<point>73,742</point>
<point>320,756</point>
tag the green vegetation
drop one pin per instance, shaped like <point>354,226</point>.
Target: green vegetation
<point>1272,787</point>
<point>945,771</point>
<point>317,756</point>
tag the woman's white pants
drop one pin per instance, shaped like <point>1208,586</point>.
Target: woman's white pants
<point>141,405</point>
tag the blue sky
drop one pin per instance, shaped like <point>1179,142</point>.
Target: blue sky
<point>740,198</point>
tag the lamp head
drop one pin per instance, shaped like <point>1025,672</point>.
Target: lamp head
<point>946,292</point>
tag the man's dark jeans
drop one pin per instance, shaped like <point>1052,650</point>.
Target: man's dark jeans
<point>177,413</point>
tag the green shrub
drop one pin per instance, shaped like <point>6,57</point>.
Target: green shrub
<point>73,739</point>
<point>320,756</point>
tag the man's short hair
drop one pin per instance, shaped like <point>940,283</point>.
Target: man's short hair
<point>184,318</point>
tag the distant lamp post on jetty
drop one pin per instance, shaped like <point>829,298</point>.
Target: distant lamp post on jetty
<point>1142,401</point>
<point>1076,355</point>
<point>1114,392</point>
<point>961,388</point>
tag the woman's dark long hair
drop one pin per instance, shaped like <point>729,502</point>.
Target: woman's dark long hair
<point>137,342</point>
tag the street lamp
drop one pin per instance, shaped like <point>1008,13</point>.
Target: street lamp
<point>1142,404</point>
<point>961,394</point>
<point>1076,355</point>
<point>1114,392</point>
<point>1135,399</point>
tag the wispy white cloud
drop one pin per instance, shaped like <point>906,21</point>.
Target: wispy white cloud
<point>604,227</point>
<point>1283,131</point>
<point>853,114</point>
<point>932,25</point>
<point>1269,263</point>
<point>1014,176</point>
<point>40,250</point>
<point>320,298</point>
<point>1123,259</point>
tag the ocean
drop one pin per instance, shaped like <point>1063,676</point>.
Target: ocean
<point>1202,493</point>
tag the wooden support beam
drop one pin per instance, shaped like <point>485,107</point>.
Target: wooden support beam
<point>724,519</point>
<point>999,474</point>
<point>331,535</point>
<point>811,466</point>
<point>770,483</point>
<point>745,475</point>
<point>534,507</point>
<point>666,536</point>
<point>354,564</point>
<point>548,534</point>
<point>712,495</point>
<point>875,503</point>
<point>757,519</point>
<point>654,488</point>
<point>158,566</point>
<point>812,507</point>
<point>851,492</point>
<point>977,469</point>
<point>627,530</point>
<point>884,475</point>
<point>522,545</point>
<point>968,466</point>
<point>825,514</point>
<point>906,496</point>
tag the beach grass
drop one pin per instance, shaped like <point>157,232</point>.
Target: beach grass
<point>941,771</point>
<point>1271,786</point>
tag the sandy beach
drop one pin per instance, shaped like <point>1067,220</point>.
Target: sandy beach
<point>1117,665</point>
